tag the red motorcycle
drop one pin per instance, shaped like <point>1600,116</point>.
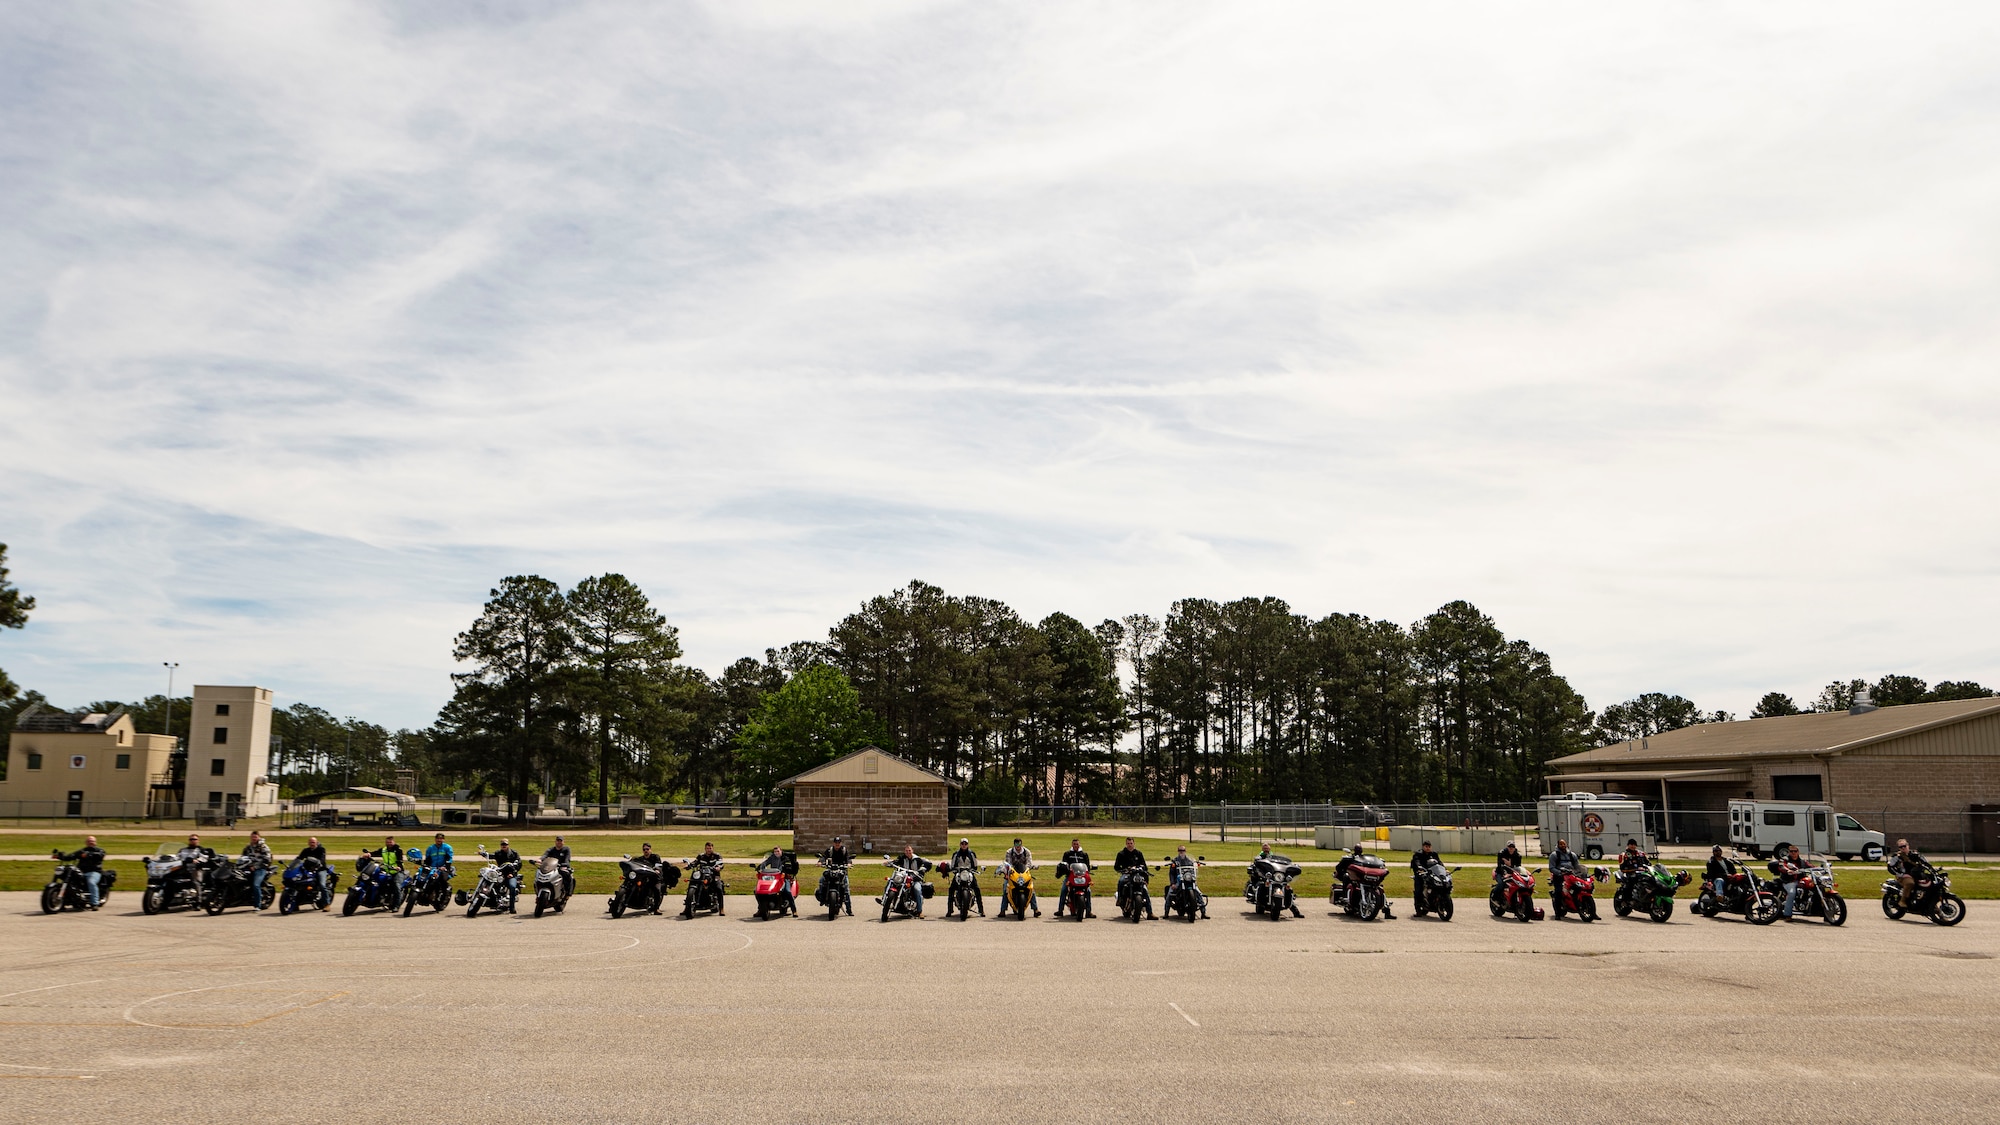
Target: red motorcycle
<point>779,891</point>
<point>1076,892</point>
<point>1574,892</point>
<point>1359,892</point>
<point>1514,893</point>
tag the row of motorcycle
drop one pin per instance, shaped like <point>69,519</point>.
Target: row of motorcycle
<point>202,880</point>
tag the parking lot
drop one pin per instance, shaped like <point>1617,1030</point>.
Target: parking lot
<point>187,1018</point>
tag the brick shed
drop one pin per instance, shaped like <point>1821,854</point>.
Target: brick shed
<point>870,795</point>
<point>1927,771</point>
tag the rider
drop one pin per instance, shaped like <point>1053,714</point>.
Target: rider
<point>836,853</point>
<point>89,860</point>
<point>1720,872</point>
<point>259,854</point>
<point>390,853</point>
<point>1184,871</point>
<point>314,850</point>
<point>509,862</point>
<point>1128,858</point>
<point>1075,855</point>
<point>1420,862</point>
<point>558,851</point>
<point>1634,861</point>
<point>1908,865</point>
<point>1788,868</point>
<point>911,861</point>
<point>965,859</point>
<point>1020,859</point>
<point>1509,858</point>
<point>195,859</point>
<point>707,858</point>
<point>1562,859</point>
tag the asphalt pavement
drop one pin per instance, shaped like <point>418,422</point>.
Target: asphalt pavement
<point>116,1016</point>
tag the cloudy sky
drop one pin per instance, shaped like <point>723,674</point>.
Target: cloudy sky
<point>1667,336</point>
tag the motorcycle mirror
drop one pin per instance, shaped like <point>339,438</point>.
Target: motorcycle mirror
<point>1201,859</point>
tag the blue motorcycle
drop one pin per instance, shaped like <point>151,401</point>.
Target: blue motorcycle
<point>430,886</point>
<point>304,886</point>
<point>374,887</point>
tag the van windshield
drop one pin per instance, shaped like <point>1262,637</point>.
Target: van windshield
<point>1849,823</point>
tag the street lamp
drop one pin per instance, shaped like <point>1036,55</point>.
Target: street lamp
<point>170,666</point>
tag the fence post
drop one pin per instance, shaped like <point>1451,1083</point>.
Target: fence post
<point>1223,819</point>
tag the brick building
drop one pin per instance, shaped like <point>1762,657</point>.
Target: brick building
<point>873,799</point>
<point>1928,771</point>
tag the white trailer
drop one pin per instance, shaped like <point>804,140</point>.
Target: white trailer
<point>1596,825</point>
<point>1763,828</point>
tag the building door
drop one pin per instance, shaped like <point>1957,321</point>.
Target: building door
<point>75,803</point>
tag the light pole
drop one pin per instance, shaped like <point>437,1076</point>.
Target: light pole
<point>170,666</point>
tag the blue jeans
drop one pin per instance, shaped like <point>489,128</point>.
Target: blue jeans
<point>90,879</point>
<point>257,878</point>
<point>1791,898</point>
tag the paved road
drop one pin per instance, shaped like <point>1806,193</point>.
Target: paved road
<point>579,1018</point>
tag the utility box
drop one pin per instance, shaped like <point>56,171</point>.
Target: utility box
<point>1595,825</point>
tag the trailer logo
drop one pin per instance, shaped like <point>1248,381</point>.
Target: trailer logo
<point>1593,825</point>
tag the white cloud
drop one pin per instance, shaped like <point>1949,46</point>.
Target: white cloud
<point>1663,336</point>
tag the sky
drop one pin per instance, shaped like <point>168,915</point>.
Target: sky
<point>1665,335</point>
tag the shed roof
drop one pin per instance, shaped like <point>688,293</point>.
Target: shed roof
<point>43,719</point>
<point>1823,732</point>
<point>870,765</point>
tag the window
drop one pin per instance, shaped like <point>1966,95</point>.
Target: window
<point>124,762</point>
<point>121,738</point>
<point>216,765</point>
<point>1779,818</point>
<point>1848,823</point>
<point>222,709</point>
<point>1795,787</point>
<point>34,760</point>
<point>215,800</point>
<point>222,736</point>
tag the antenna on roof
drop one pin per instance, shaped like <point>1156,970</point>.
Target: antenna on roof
<point>1863,702</point>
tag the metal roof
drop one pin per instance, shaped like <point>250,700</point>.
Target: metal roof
<point>1823,732</point>
<point>870,765</point>
<point>40,718</point>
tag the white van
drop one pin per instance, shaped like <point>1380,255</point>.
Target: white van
<point>1595,825</point>
<point>1764,828</point>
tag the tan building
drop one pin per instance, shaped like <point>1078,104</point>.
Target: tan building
<point>229,751</point>
<point>84,765</point>
<point>872,797</point>
<point>1929,771</point>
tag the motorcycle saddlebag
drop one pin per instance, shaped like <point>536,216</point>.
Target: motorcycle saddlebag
<point>670,876</point>
<point>929,891</point>
<point>791,863</point>
<point>106,880</point>
<point>819,895</point>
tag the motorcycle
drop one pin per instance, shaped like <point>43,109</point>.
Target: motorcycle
<point>964,896</point>
<point>1181,897</point>
<point>69,890</point>
<point>1816,897</point>
<point>1076,890</point>
<point>1017,889</point>
<point>229,885</point>
<point>1739,893</point>
<point>552,884</point>
<point>704,893</point>
<point>832,890</point>
<point>1133,893</point>
<point>1270,885</point>
<point>302,886</point>
<point>1932,899</point>
<point>375,887</point>
<point>1514,893</point>
<point>1359,893</point>
<point>644,888</point>
<point>778,890</point>
<point>494,890</point>
<point>905,893</point>
<point>1573,891</point>
<point>173,882</point>
<point>430,886</point>
<point>1432,891</point>
<point>1651,888</point>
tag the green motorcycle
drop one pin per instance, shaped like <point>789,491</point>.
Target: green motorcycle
<point>1651,890</point>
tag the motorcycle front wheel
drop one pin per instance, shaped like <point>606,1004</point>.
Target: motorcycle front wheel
<point>288,902</point>
<point>51,899</point>
<point>1370,907</point>
<point>409,903</point>
<point>1949,911</point>
<point>1443,909</point>
<point>542,902</point>
<point>1835,910</point>
<point>353,902</point>
<point>1587,909</point>
<point>1497,904</point>
<point>618,905</point>
<point>1661,910</point>
<point>1763,910</point>
<point>149,900</point>
<point>215,902</point>
<point>885,906</point>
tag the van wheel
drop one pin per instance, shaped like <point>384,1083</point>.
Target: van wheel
<point>1593,852</point>
<point>1872,853</point>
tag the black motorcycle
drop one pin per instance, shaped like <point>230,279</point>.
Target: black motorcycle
<point>644,887</point>
<point>1433,891</point>
<point>1932,899</point>
<point>1135,896</point>
<point>1737,893</point>
<point>1183,895</point>
<point>964,893</point>
<point>70,889</point>
<point>1269,888</point>
<point>704,890</point>
<point>228,884</point>
<point>173,882</point>
<point>832,890</point>
<point>430,886</point>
